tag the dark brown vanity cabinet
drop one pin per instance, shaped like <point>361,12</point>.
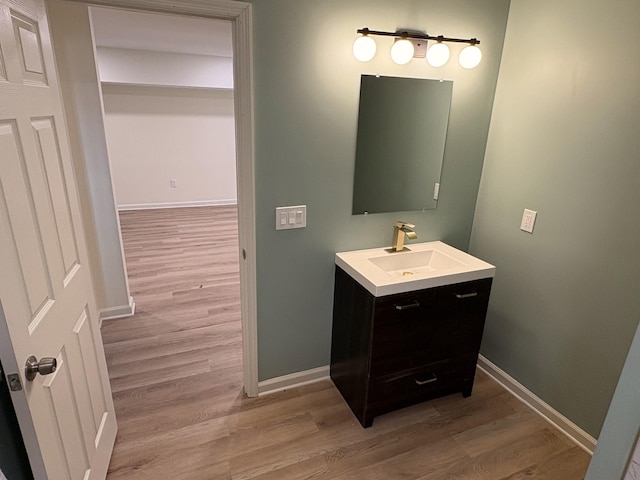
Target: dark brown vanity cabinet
<point>393,351</point>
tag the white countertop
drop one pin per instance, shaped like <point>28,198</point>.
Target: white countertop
<point>424,265</point>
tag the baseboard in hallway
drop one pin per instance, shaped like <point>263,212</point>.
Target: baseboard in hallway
<point>113,313</point>
<point>190,204</point>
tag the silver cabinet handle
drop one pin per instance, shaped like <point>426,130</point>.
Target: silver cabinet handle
<point>408,307</point>
<point>45,366</point>
<point>466,295</point>
<point>424,382</point>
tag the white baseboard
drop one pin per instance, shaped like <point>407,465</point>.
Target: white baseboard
<point>121,311</point>
<point>199,203</point>
<point>293,380</point>
<point>555,418</point>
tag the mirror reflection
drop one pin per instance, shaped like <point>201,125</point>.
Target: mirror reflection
<point>402,129</point>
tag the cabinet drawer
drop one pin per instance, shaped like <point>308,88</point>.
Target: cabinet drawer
<point>465,295</point>
<point>402,325</point>
<point>424,382</point>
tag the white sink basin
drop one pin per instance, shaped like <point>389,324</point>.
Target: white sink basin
<point>426,265</point>
<point>411,263</point>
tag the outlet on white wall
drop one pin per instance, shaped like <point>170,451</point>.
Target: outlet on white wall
<point>173,183</point>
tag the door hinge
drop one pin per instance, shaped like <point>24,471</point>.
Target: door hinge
<point>15,385</point>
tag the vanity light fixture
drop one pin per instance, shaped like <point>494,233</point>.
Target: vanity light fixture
<point>364,48</point>
<point>470,57</point>
<point>402,51</point>
<point>404,48</point>
<point>438,54</point>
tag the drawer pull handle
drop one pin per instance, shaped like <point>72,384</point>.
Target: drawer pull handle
<point>430,380</point>
<point>466,295</point>
<point>408,307</point>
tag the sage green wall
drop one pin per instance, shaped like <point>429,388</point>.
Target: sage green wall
<point>306,103</point>
<point>564,141</point>
<point>622,425</point>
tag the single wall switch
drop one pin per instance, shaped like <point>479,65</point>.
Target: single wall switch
<point>436,191</point>
<point>528,220</point>
<point>173,183</point>
<point>291,217</point>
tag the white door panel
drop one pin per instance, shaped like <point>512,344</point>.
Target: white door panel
<point>45,286</point>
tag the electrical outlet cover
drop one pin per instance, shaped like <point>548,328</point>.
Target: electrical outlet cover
<point>528,220</point>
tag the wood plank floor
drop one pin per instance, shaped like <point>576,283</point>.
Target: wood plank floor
<point>176,374</point>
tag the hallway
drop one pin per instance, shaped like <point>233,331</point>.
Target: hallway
<point>177,362</point>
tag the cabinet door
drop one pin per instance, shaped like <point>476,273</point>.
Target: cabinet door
<point>402,327</point>
<point>459,320</point>
<point>351,333</point>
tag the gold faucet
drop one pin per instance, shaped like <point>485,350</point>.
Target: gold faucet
<point>400,229</point>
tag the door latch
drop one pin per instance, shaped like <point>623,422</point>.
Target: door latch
<point>15,385</point>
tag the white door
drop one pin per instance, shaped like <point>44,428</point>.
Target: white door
<point>45,286</point>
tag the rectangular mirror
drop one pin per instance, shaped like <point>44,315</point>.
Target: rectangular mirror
<point>402,129</point>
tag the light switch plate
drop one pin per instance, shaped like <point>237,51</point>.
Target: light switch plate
<point>291,217</point>
<point>528,220</point>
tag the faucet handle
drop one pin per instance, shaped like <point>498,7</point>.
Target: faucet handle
<point>401,224</point>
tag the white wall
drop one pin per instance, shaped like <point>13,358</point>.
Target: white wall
<point>123,65</point>
<point>167,85</point>
<point>157,134</point>
<point>75,59</point>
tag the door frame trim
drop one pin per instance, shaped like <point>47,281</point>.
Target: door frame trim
<point>20,404</point>
<point>239,13</point>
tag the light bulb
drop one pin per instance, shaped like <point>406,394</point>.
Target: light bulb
<point>470,57</point>
<point>402,51</point>
<point>438,54</point>
<point>364,48</point>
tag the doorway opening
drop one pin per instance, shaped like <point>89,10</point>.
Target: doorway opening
<point>167,88</point>
<point>239,14</point>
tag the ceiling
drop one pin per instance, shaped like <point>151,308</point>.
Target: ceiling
<point>161,33</point>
